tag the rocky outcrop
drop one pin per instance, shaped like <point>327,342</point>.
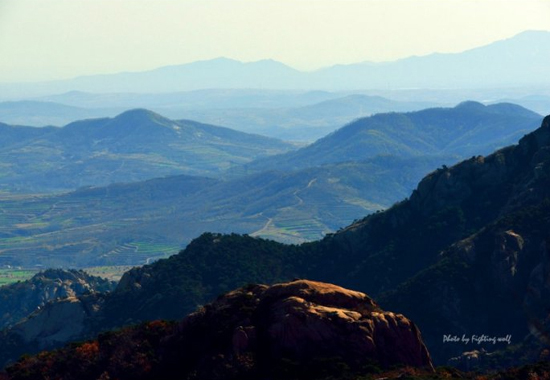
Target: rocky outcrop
<point>303,320</point>
<point>48,310</point>
<point>515,165</point>
<point>470,360</point>
<point>19,300</point>
<point>58,322</point>
<point>296,330</point>
<point>503,255</point>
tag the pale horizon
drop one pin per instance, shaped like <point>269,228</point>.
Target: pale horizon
<point>62,39</point>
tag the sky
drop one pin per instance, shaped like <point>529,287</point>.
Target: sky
<point>58,39</point>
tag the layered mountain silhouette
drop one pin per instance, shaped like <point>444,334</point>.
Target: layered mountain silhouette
<point>467,129</point>
<point>288,115</point>
<point>465,254</point>
<point>475,68</point>
<point>135,145</point>
<point>304,123</point>
<point>41,113</point>
<point>294,122</point>
<point>365,166</point>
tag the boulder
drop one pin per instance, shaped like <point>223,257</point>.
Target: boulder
<point>299,322</point>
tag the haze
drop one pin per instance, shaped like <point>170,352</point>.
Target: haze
<point>56,39</point>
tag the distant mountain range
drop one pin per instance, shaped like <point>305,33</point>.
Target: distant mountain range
<point>467,129</point>
<point>259,112</point>
<point>517,61</point>
<point>139,144</point>
<point>299,196</point>
<point>466,253</point>
<point>305,123</point>
<point>537,103</point>
<point>288,115</point>
<point>135,145</point>
<point>42,113</point>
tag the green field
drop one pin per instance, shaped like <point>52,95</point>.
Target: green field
<point>8,276</point>
<point>113,273</point>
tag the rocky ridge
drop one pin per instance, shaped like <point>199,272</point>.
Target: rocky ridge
<point>19,300</point>
<point>257,331</point>
<point>494,281</point>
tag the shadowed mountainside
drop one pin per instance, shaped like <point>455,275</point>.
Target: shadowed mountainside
<point>497,203</point>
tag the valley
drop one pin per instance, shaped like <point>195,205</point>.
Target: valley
<point>466,229</point>
<point>210,192</point>
<point>129,224</point>
<point>293,197</point>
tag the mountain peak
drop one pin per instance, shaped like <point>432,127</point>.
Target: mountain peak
<point>470,105</point>
<point>138,127</point>
<point>138,113</point>
<point>142,117</point>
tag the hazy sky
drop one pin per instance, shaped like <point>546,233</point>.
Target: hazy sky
<point>53,39</point>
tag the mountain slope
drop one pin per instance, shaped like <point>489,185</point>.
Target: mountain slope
<point>537,103</point>
<point>488,215</point>
<point>480,199</point>
<point>139,222</point>
<point>135,145</point>
<point>469,128</point>
<point>18,135</point>
<point>500,64</point>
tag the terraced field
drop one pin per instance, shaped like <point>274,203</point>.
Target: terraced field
<point>135,224</point>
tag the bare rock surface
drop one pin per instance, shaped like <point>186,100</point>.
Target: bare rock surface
<point>301,329</point>
<point>20,299</point>
<point>305,320</point>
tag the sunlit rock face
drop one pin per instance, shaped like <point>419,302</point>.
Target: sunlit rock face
<point>295,330</point>
<point>306,320</point>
